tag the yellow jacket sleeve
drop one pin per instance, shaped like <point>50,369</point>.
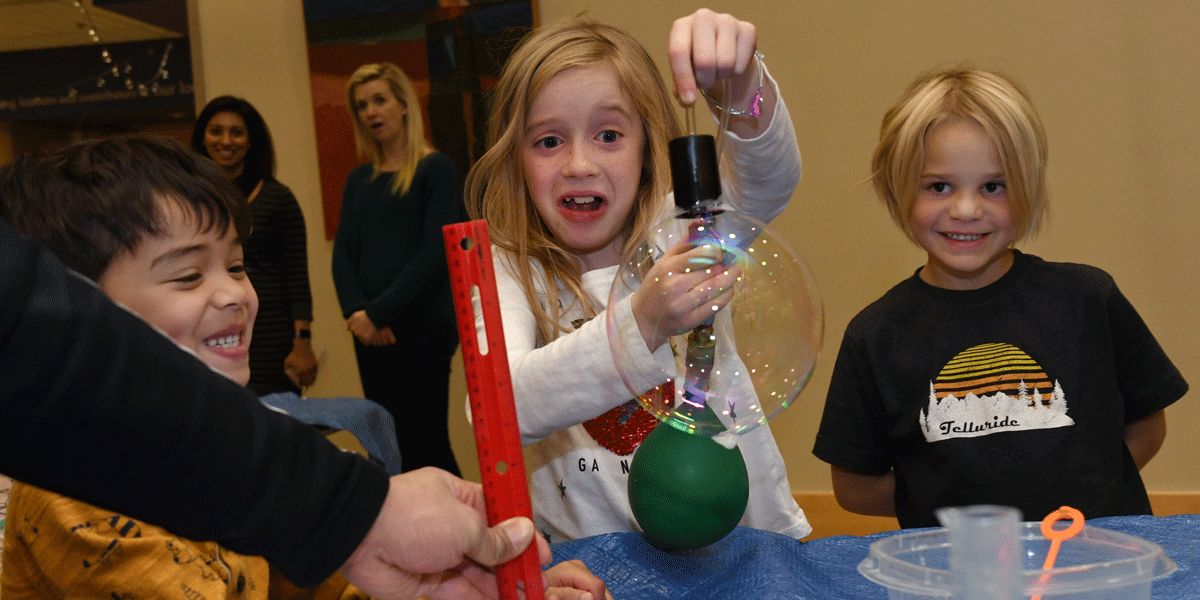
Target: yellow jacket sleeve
<point>57,547</point>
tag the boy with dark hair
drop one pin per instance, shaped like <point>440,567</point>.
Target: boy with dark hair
<point>160,231</point>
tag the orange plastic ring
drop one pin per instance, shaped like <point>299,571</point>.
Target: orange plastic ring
<point>1064,512</point>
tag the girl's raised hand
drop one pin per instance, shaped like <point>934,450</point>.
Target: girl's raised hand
<point>683,289</point>
<point>705,47</point>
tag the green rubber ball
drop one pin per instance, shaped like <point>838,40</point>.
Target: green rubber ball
<point>686,490</point>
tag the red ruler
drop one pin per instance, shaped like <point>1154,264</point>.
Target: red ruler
<point>493,411</point>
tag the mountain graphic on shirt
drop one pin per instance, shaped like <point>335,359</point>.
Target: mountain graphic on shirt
<point>992,388</point>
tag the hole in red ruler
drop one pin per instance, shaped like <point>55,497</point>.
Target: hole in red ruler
<point>480,326</point>
<point>467,243</point>
<point>501,467</point>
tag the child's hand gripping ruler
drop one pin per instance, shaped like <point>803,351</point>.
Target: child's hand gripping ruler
<point>493,411</point>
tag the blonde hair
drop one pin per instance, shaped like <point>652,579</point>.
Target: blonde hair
<point>416,146</point>
<point>990,99</point>
<point>495,186</point>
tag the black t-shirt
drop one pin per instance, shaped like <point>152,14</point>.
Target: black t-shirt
<point>1017,394</point>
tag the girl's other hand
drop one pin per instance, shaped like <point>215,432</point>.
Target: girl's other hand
<point>705,47</point>
<point>571,580</point>
<point>683,289</point>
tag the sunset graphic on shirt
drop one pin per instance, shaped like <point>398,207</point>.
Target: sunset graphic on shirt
<point>992,388</point>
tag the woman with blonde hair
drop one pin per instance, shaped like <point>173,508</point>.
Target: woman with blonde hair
<point>389,265</point>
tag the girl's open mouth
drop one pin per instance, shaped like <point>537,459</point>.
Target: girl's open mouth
<point>583,203</point>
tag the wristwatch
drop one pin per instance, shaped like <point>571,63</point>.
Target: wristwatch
<point>304,334</point>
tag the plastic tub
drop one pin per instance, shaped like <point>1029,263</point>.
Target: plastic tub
<point>1097,564</point>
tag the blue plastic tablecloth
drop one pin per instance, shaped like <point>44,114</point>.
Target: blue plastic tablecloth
<point>750,563</point>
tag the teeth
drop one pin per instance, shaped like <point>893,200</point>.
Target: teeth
<point>963,237</point>
<point>225,341</point>
<point>583,199</point>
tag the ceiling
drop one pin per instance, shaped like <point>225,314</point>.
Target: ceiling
<point>38,24</point>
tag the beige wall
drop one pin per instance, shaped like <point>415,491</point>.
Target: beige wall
<point>1115,83</point>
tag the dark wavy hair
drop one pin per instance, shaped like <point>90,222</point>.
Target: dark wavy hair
<point>260,157</point>
<point>92,200</point>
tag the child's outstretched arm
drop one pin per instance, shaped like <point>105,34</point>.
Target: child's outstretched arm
<point>1145,437</point>
<point>872,495</point>
<point>760,142</point>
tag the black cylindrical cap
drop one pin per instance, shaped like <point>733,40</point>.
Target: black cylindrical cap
<point>694,170</point>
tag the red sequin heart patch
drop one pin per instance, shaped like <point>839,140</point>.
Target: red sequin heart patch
<point>622,429</point>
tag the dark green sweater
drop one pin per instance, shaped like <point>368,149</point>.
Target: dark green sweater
<point>389,257</point>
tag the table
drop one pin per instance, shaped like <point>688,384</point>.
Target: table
<point>750,563</point>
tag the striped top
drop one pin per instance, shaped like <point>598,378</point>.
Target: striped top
<point>277,263</point>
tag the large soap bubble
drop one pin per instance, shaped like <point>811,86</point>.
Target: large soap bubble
<point>754,356</point>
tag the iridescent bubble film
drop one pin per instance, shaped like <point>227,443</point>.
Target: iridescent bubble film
<point>737,372</point>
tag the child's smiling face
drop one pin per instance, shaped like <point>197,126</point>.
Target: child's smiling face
<point>961,216</point>
<point>582,160</point>
<point>192,285</point>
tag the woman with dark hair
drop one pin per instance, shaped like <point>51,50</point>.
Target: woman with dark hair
<point>233,134</point>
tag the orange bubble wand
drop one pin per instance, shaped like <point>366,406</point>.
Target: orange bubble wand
<point>1057,537</point>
